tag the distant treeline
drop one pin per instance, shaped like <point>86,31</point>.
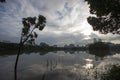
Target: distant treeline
<point>42,47</point>
<point>97,46</point>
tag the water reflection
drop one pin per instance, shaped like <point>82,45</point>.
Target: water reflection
<point>58,65</point>
<point>97,53</point>
<point>89,64</point>
<point>100,54</point>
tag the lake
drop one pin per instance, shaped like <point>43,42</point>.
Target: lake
<point>58,65</point>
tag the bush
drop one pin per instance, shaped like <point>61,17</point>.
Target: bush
<point>112,74</point>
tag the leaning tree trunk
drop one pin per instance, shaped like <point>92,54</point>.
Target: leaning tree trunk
<point>16,62</point>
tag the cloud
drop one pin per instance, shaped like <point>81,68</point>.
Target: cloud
<point>66,21</point>
<point>61,39</point>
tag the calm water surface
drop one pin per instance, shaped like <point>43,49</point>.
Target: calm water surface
<point>58,65</point>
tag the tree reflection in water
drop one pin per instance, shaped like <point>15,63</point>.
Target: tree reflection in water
<point>56,65</point>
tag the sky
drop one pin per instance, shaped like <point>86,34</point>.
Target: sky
<point>66,21</point>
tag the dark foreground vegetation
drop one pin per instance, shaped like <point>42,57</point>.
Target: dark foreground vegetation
<point>112,74</point>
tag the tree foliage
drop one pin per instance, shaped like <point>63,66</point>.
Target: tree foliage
<point>107,19</point>
<point>28,34</point>
<point>2,0</point>
<point>112,74</point>
<point>29,26</point>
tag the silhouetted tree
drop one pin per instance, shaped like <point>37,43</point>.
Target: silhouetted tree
<point>95,40</point>
<point>2,0</point>
<point>99,46</point>
<point>71,45</point>
<point>107,19</point>
<point>112,74</point>
<point>28,34</point>
<point>65,45</point>
<point>54,45</point>
<point>42,44</point>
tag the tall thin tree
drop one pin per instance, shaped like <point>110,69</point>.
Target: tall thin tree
<point>29,34</point>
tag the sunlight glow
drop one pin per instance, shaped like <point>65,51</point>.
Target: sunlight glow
<point>86,32</point>
<point>83,28</point>
<point>87,29</point>
<point>88,60</point>
<point>88,66</point>
<point>87,38</point>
